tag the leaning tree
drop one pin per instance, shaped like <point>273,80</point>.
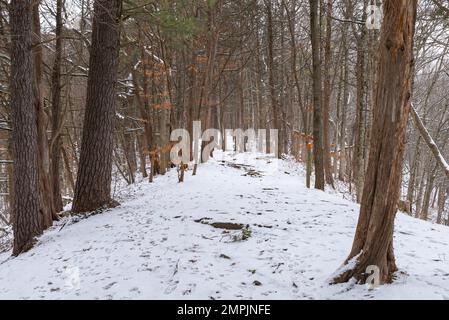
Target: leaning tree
<point>373,242</point>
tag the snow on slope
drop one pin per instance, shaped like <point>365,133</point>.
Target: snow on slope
<point>152,248</point>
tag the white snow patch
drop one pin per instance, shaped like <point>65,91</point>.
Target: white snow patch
<point>151,247</point>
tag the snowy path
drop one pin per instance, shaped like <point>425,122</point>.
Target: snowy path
<point>152,248</point>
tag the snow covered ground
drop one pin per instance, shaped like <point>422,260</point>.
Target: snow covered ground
<point>160,243</point>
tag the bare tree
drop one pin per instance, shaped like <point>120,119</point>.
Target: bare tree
<point>317,112</point>
<point>56,106</point>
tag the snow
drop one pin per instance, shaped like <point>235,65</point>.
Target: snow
<point>151,247</point>
<point>120,116</point>
<point>155,57</point>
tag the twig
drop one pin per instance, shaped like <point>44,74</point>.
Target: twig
<point>176,268</point>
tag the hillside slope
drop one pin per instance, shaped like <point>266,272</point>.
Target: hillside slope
<point>162,243</point>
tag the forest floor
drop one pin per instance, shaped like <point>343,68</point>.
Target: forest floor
<point>166,241</point>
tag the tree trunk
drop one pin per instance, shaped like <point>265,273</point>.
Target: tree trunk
<point>47,209</point>
<point>317,112</point>
<point>420,193</point>
<point>25,210</point>
<point>271,80</point>
<point>442,196</point>
<point>359,150</point>
<point>413,172</point>
<point>373,242</point>
<point>93,185</point>
<point>56,125</point>
<point>343,162</point>
<point>68,168</point>
<point>327,95</point>
<point>424,214</point>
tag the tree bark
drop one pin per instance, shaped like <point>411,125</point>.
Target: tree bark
<point>359,150</point>
<point>93,185</point>
<point>442,196</point>
<point>26,221</point>
<point>424,214</point>
<point>317,111</point>
<point>327,94</point>
<point>56,143</point>
<point>47,209</point>
<point>342,142</point>
<point>413,173</point>
<point>271,79</point>
<point>68,168</point>
<point>373,242</point>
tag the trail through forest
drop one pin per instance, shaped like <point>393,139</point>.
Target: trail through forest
<point>245,227</point>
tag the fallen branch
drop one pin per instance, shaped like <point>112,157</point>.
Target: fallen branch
<point>430,142</point>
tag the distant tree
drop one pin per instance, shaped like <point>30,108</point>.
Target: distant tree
<point>56,125</point>
<point>317,102</point>
<point>327,94</point>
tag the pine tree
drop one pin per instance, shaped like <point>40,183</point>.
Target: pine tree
<point>25,210</point>
<point>93,185</point>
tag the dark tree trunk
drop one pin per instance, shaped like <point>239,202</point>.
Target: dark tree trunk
<point>360,134</point>
<point>342,143</point>
<point>46,209</point>
<point>373,243</point>
<point>55,144</point>
<point>272,81</point>
<point>442,196</point>
<point>26,222</point>
<point>93,185</point>
<point>327,95</point>
<point>317,112</point>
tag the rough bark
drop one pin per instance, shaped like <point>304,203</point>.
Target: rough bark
<point>26,222</point>
<point>327,95</point>
<point>359,150</point>
<point>373,242</point>
<point>442,196</point>
<point>47,209</point>
<point>56,125</point>
<point>317,111</point>
<point>93,185</point>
